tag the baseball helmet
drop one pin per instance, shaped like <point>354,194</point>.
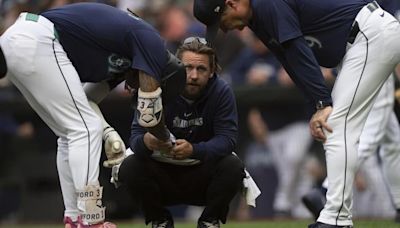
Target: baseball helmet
<point>3,65</point>
<point>173,79</point>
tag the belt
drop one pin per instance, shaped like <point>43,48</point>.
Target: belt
<point>43,20</point>
<point>355,29</point>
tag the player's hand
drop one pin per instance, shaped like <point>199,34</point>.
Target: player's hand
<point>154,144</point>
<point>182,149</point>
<point>318,123</point>
<point>114,147</point>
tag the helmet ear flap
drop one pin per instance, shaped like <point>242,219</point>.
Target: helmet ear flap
<point>174,78</point>
<point>3,65</point>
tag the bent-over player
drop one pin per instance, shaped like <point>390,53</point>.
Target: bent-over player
<point>357,36</point>
<point>50,55</point>
<point>381,133</point>
<point>200,169</point>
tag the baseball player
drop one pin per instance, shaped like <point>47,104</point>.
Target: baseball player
<point>381,134</point>
<point>50,55</point>
<point>357,36</point>
<point>200,169</point>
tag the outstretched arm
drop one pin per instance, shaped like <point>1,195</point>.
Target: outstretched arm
<point>114,146</point>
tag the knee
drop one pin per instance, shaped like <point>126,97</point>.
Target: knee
<point>132,171</point>
<point>233,167</point>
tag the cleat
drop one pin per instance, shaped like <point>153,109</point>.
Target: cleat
<point>167,223</point>
<point>69,223</point>
<point>99,225</point>
<point>323,225</point>
<point>206,224</point>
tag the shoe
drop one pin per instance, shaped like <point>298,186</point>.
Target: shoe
<point>69,223</point>
<point>314,201</point>
<point>323,225</point>
<point>100,225</point>
<point>167,223</point>
<point>206,224</point>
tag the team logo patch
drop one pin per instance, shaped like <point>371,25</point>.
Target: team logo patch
<point>313,42</point>
<point>118,64</point>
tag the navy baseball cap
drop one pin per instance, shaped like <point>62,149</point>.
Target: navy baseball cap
<point>209,13</point>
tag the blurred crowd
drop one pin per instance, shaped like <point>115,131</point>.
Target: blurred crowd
<point>279,148</point>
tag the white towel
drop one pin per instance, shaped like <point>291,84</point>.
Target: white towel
<point>251,190</point>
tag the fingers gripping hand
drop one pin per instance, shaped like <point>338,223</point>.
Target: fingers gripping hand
<point>114,147</point>
<point>318,124</point>
<point>182,149</point>
<point>155,144</point>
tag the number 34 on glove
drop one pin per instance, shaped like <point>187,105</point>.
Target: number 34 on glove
<point>114,147</point>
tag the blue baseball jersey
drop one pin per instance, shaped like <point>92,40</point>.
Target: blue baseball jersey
<point>324,24</point>
<point>210,123</point>
<point>102,41</point>
<point>391,6</point>
<point>304,35</point>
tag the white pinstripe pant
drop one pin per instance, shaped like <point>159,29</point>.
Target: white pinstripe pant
<point>40,68</point>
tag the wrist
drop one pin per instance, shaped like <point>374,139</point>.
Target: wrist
<point>322,104</point>
<point>106,131</point>
<point>146,142</point>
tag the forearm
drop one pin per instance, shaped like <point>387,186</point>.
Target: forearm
<point>96,92</point>
<point>303,68</point>
<point>149,86</point>
<point>96,108</point>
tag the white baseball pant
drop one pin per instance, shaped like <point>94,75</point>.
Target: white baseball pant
<point>381,133</point>
<point>41,70</point>
<point>365,67</point>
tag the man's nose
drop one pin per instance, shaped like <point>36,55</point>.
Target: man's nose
<point>193,74</point>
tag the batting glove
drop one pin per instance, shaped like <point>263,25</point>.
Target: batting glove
<point>114,147</point>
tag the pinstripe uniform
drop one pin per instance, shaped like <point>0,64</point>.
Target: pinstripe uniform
<point>49,56</point>
<point>357,36</point>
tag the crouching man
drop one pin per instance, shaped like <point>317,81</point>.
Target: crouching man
<point>200,169</point>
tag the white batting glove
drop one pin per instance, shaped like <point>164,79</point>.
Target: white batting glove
<point>114,147</point>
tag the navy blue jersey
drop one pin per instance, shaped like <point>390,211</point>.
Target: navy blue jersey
<point>210,123</point>
<point>324,24</point>
<point>391,6</point>
<point>101,40</point>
